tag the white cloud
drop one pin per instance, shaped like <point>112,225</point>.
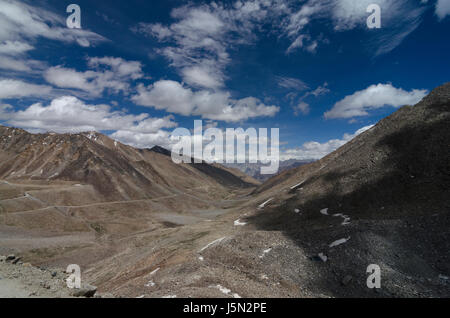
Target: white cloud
<point>199,40</point>
<point>14,47</point>
<point>112,74</point>
<point>121,67</point>
<point>12,57</point>
<point>157,30</point>
<point>317,150</point>
<point>319,91</point>
<point>302,107</point>
<point>20,21</point>
<point>349,14</point>
<point>298,43</point>
<point>291,83</point>
<point>173,97</point>
<point>442,9</point>
<point>399,19</point>
<point>374,96</point>
<point>69,114</point>
<point>8,63</point>
<point>10,88</point>
<point>198,76</point>
<point>140,140</point>
<point>22,24</point>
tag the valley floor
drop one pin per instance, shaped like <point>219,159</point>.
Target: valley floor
<point>237,246</point>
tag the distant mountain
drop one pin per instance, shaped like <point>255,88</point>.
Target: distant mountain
<point>115,170</point>
<point>254,169</point>
<point>225,174</point>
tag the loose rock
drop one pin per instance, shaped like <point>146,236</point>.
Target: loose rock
<point>85,291</point>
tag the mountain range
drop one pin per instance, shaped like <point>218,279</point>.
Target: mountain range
<point>141,226</point>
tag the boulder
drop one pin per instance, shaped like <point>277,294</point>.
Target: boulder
<point>85,291</point>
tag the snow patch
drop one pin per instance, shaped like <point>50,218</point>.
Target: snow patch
<point>201,258</point>
<point>239,223</point>
<point>298,185</point>
<point>226,291</point>
<point>297,211</point>
<point>212,243</point>
<point>324,211</point>
<point>170,296</point>
<point>345,217</point>
<point>265,252</point>
<point>150,284</point>
<point>262,205</point>
<point>323,257</point>
<point>154,272</point>
<point>339,242</point>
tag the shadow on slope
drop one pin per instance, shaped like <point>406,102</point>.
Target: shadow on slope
<point>399,205</point>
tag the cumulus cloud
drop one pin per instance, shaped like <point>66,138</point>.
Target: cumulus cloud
<point>316,150</point>
<point>374,96</point>
<point>69,114</point>
<point>109,73</point>
<point>173,97</point>
<point>199,76</point>
<point>10,88</point>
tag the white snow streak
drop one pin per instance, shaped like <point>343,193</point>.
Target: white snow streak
<point>212,243</point>
<point>339,242</point>
<point>261,206</point>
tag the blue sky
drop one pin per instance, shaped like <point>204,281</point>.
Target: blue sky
<point>138,69</point>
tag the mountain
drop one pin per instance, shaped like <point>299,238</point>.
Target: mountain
<point>380,201</point>
<point>225,175</point>
<point>113,169</point>
<point>254,169</point>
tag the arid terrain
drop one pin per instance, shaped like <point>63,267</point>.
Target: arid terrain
<point>141,226</point>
